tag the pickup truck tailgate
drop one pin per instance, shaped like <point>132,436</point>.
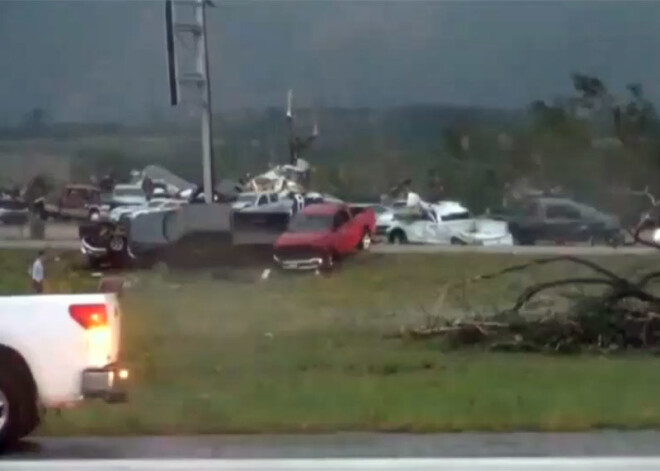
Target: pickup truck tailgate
<point>101,322</point>
<point>61,336</point>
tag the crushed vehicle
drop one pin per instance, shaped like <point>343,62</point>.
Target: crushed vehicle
<point>104,243</point>
<point>190,230</point>
<point>321,234</point>
<point>55,351</point>
<point>75,201</point>
<point>107,241</point>
<point>562,220</point>
<point>117,238</point>
<point>445,222</point>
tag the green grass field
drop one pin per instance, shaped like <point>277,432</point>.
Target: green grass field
<point>307,354</point>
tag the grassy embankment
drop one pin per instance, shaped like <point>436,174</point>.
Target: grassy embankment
<point>307,354</point>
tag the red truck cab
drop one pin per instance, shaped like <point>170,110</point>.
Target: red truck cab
<point>321,234</point>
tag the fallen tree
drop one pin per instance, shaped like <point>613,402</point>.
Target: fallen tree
<point>626,314</point>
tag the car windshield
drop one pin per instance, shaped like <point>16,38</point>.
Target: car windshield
<point>310,223</point>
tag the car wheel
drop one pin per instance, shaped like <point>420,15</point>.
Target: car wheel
<point>365,242</point>
<point>398,237</point>
<point>457,241</point>
<point>117,244</point>
<point>15,403</point>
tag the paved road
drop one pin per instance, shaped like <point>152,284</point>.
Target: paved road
<point>54,231</point>
<point>407,464</point>
<point>28,244</point>
<point>344,445</point>
<point>516,250</point>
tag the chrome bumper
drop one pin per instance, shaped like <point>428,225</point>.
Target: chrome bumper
<point>107,383</point>
<point>313,263</point>
<point>92,251</point>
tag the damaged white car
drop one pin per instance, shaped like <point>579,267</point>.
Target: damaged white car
<point>446,222</point>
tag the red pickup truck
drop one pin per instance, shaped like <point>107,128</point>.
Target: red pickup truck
<point>321,234</point>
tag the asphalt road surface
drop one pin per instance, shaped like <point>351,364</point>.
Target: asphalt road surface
<point>28,244</point>
<point>343,445</point>
<point>406,464</point>
<point>515,250</point>
<point>54,231</point>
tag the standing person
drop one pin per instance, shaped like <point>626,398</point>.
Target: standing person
<point>300,201</point>
<point>37,272</point>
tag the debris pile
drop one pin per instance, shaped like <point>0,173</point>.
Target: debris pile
<point>626,315</point>
<point>597,330</point>
<point>282,178</point>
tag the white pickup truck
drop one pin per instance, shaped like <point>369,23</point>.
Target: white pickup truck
<point>56,350</point>
<point>445,222</point>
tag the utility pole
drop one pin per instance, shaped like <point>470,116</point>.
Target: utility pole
<point>297,144</point>
<point>199,80</point>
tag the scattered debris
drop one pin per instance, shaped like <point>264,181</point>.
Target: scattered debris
<point>281,178</point>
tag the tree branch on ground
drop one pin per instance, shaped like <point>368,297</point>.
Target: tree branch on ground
<point>625,315</point>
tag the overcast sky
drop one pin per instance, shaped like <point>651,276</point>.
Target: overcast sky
<point>105,59</point>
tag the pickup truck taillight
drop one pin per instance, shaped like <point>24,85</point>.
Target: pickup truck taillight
<point>89,316</point>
